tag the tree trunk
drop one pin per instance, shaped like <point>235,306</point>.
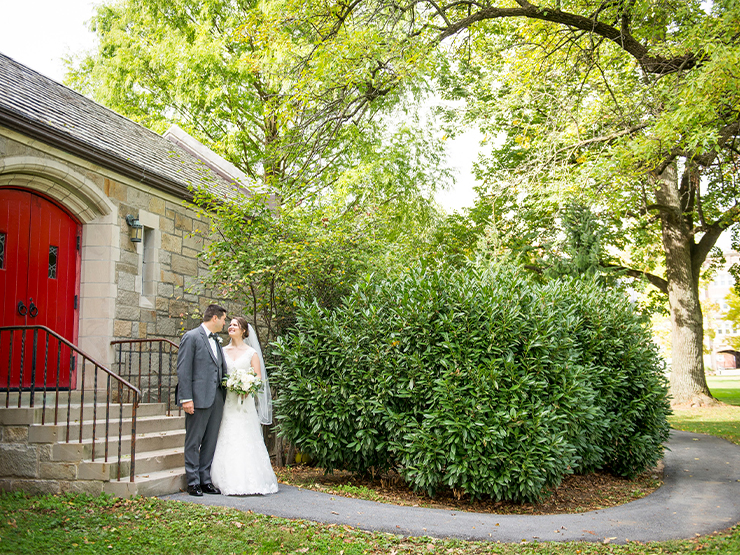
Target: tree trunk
<point>688,385</point>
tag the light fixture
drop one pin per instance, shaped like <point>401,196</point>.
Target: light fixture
<point>136,228</point>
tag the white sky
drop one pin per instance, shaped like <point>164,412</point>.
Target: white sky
<point>39,33</point>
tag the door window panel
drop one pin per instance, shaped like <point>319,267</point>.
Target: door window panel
<point>53,260</point>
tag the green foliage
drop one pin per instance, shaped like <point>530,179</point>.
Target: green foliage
<point>629,108</point>
<point>269,260</point>
<point>582,245</point>
<point>474,379</point>
<point>286,99</point>
<point>275,89</point>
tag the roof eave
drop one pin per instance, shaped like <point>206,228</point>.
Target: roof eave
<point>59,140</point>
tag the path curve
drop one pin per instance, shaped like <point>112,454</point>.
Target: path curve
<point>700,495</point>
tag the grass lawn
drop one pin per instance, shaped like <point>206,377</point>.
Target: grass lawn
<point>87,525</point>
<point>725,388</point>
<point>723,421</point>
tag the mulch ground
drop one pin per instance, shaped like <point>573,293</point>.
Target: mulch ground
<point>576,493</point>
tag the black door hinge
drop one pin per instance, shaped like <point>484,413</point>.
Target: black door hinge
<point>75,302</point>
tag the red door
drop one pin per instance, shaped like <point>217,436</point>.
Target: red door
<point>39,277</point>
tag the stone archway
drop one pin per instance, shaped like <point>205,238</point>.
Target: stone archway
<point>70,188</point>
<point>83,196</point>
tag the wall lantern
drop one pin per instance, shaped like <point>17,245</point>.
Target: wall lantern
<point>136,228</point>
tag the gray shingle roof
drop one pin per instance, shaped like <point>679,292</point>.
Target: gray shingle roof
<point>46,110</point>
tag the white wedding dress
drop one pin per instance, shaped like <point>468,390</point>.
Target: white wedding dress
<point>241,465</point>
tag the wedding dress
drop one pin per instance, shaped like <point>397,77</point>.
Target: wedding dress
<point>241,465</point>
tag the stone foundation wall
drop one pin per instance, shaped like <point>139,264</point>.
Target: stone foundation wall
<point>28,467</point>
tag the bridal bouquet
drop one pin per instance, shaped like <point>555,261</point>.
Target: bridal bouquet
<point>243,382</point>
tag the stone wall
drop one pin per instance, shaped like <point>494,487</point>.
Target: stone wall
<point>159,280</point>
<point>27,466</point>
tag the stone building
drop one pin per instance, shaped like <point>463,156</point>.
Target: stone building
<point>74,176</point>
<point>98,244</point>
<point>720,356</point>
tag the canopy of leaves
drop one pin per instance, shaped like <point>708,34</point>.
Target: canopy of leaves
<point>307,109</point>
<point>591,118</point>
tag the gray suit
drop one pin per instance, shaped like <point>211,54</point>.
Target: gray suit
<point>199,376</point>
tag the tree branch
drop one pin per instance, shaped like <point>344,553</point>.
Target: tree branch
<point>700,250</point>
<point>657,281</point>
<point>658,65</point>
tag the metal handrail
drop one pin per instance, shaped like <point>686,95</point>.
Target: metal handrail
<point>151,365</point>
<point>83,361</point>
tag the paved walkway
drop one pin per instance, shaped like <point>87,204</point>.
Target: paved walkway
<point>700,495</point>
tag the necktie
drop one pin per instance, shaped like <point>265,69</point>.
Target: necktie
<point>218,351</point>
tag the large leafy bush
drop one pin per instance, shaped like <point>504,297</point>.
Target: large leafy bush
<point>474,379</point>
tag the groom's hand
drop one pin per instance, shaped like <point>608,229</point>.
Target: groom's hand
<point>189,407</point>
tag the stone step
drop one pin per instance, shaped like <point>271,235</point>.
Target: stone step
<point>154,441</point>
<point>26,416</point>
<point>73,397</point>
<point>53,433</point>
<point>11,397</point>
<point>146,462</point>
<point>149,484</point>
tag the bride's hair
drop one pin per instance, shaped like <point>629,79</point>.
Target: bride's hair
<point>243,324</point>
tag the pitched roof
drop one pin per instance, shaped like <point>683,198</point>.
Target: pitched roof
<point>37,106</point>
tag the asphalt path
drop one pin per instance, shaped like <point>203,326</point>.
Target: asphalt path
<point>700,495</point>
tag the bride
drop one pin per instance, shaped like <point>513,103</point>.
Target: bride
<point>241,465</point>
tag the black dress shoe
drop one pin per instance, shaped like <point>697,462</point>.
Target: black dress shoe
<point>195,490</point>
<point>210,488</point>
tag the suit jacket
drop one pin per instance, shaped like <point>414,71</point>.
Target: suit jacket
<point>198,371</point>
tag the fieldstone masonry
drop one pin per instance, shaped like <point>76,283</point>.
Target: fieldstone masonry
<point>27,466</point>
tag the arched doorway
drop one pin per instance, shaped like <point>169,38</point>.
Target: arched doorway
<point>39,277</point>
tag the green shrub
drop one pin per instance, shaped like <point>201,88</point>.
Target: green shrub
<point>475,379</point>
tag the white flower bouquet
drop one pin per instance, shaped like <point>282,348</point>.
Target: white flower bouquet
<point>243,382</point>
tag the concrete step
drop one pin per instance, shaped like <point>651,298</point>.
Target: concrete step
<point>154,441</point>
<point>52,433</point>
<point>149,484</point>
<point>26,416</point>
<point>146,463</point>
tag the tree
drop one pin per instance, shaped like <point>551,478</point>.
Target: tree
<point>298,112</point>
<point>733,315</point>
<point>626,107</point>
<point>262,86</point>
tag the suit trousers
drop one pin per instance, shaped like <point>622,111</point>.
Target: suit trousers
<point>201,434</point>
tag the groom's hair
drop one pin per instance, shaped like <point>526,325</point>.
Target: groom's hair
<point>213,310</point>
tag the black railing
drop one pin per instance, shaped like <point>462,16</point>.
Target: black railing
<point>57,366</point>
<point>151,364</point>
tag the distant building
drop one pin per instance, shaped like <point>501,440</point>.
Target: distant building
<point>722,356</point>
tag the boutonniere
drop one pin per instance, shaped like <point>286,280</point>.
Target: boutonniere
<point>220,340</point>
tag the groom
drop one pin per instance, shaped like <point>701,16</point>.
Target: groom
<point>200,369</point>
